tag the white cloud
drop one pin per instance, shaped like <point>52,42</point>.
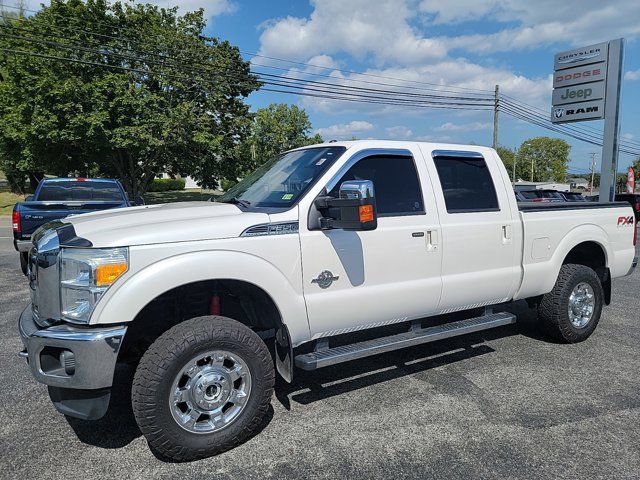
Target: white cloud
<point>212,8</point>
<point>345,130</point>
<point>399,132</point>
<point>542,22</point>
<point>632,75</point>
<point>463,127</point>
<point>360,28</point>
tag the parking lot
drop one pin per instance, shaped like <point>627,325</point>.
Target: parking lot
<point>507,403</point>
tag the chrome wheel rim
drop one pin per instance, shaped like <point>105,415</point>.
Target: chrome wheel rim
<point>210,391</point>
<point>582,303</point>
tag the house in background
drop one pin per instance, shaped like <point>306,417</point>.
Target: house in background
<point>189,182</point>
<point>560,187</point>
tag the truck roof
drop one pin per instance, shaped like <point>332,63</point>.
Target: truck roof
<point>372,143</point>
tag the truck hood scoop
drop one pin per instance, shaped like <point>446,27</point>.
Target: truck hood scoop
<point>170,222</point>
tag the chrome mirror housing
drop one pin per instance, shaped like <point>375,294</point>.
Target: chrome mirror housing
<point>358,189</point>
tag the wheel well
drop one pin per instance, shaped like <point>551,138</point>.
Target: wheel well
<point>589,254</point>
<point>239,300</point>
<point>592,255</point>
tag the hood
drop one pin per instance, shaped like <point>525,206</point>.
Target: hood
<point>170,222</point>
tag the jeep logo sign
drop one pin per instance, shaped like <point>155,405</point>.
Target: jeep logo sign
<point>578,93</point>
<point>577,111</point>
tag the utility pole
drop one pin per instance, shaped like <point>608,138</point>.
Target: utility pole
<point>496,99</point>
<point>514,167</point>
<point>593,171</point>
<point>532,169</point>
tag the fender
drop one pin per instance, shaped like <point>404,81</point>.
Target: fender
<point>122,303</point>
<point>540,277</point>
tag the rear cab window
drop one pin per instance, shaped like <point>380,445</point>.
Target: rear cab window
<point>74,190</point>
<point>466,182</point>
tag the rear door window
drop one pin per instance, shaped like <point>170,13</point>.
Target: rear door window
<point>466,182</point>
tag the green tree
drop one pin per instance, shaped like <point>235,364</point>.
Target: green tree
<point>508,157</point>
<point>544,159</point>
<point>148,94</point>
<point>276,128</point>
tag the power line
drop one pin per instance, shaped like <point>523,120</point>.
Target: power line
<point>354,72</point>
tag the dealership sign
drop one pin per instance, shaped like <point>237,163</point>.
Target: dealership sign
<point>586,86</point>
<point>579,84</point>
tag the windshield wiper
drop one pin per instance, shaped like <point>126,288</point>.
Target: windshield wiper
<point>239,201</point>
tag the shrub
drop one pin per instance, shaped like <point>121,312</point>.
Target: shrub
<point>167,184</point>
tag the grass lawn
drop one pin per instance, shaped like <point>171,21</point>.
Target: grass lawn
<point>7,200</point>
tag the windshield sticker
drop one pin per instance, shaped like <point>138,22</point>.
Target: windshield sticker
<point>287,196</point>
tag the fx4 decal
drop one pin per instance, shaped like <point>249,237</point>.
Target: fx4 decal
<point>625,221</point>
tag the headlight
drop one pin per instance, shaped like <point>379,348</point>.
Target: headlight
<point>85,274</point>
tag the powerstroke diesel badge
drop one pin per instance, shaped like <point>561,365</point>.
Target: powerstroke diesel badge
<point>325,279</point>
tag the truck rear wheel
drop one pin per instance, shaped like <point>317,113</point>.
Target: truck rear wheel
<point>204,386</point>
<point>571,311</point>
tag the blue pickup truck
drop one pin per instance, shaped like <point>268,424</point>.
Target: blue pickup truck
<point>56,198</point>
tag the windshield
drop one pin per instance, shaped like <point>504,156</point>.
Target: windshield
<point>74,190</point>
<point>281,181</point>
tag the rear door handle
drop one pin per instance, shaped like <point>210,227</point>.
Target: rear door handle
<point>506,234</point>
<point>432,240</point>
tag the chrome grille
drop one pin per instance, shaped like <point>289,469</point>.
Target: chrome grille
<point>44,277</point>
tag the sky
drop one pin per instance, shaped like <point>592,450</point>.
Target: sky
<point>462,44</point>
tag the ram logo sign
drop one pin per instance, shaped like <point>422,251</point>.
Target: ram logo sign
<point>577,111</point>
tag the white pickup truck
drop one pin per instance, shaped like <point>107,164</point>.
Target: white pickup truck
<point>319,242</point>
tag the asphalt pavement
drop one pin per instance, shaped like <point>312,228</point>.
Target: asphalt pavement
<point>507,403</point>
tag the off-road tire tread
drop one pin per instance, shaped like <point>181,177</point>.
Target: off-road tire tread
<point>154,364</point>
<point>552,310</point>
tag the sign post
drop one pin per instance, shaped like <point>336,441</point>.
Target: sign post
<point>609,168</point>
<point>586,86</point>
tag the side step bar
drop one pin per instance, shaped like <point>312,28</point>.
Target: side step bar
<point>324,357</point>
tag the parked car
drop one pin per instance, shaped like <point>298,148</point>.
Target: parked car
<point>539,196</point>
<point>573,197</point>
<point>56,198</point>
<point>633,199</point>
<point>337,238</point>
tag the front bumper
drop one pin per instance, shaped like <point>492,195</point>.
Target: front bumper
<point>76,363</point>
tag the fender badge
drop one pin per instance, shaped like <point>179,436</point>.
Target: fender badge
<point>325,279</point>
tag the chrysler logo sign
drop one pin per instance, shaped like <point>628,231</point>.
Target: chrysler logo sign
<point>575,57</point>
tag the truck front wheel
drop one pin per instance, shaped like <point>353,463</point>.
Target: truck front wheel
<point>571,311</point>
<point>204,386</point>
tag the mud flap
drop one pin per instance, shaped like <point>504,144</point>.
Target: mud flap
<point>284,354</point>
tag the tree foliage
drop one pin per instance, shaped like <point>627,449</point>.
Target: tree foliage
<point>150,94</point>
<point>542,159</point>
<point>275,129</point>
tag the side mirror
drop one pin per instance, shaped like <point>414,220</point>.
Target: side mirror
<point>355,209</point>
<point>138,201</point>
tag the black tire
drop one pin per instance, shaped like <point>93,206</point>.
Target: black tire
<point>24,261</point>
<point>553,310</point>
<point>165,359</point>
